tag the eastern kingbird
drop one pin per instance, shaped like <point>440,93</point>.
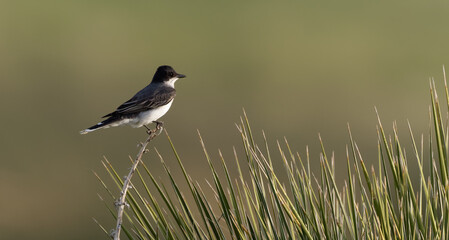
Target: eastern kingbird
<point>147,106</point>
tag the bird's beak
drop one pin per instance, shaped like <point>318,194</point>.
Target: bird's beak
<point>181,76</point>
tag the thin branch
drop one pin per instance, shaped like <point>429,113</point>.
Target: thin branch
<point>126,185</point>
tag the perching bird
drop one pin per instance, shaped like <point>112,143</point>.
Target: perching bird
<point>147,106</point>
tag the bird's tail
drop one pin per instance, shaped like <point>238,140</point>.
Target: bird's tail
<point>103,124</point>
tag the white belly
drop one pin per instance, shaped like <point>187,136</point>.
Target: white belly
<point>151,115</point>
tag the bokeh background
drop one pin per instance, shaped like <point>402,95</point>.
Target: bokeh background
<point>299,68</point>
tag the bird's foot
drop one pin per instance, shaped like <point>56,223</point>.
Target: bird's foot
<point>159,125</point>
<point>149,131</point>
<point>157,130</point>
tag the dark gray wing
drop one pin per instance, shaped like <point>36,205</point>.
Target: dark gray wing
<point>143,101</point>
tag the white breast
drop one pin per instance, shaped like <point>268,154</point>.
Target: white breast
<point>151,115</point>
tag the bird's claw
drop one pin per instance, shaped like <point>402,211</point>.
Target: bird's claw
<point>159,125</point>
<point>149,131</point>
<point>158,129</point>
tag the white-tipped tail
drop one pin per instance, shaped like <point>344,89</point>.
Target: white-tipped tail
<point>110,122</point>
<point>93,128</point>
<point>86,131</point>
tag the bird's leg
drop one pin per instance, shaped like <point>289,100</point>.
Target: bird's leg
<point>159,124</point>
<point>159,127</point>
<point>149,131</point>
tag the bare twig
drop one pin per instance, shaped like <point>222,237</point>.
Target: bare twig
<point>126,185</point>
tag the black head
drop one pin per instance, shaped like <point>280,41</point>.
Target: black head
<point>166,73</point>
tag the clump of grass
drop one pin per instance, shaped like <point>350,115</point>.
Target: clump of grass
<point>387,205</point>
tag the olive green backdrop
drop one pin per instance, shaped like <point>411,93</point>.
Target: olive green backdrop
<point>299,68</point>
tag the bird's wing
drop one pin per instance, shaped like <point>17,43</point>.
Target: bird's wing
<point>143,102</point>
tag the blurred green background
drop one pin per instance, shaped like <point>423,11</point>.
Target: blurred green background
<point>299,68</point>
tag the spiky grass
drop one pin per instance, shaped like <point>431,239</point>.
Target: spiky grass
<point>308,206</point>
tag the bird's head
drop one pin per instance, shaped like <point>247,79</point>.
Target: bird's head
<point>166,74</point>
